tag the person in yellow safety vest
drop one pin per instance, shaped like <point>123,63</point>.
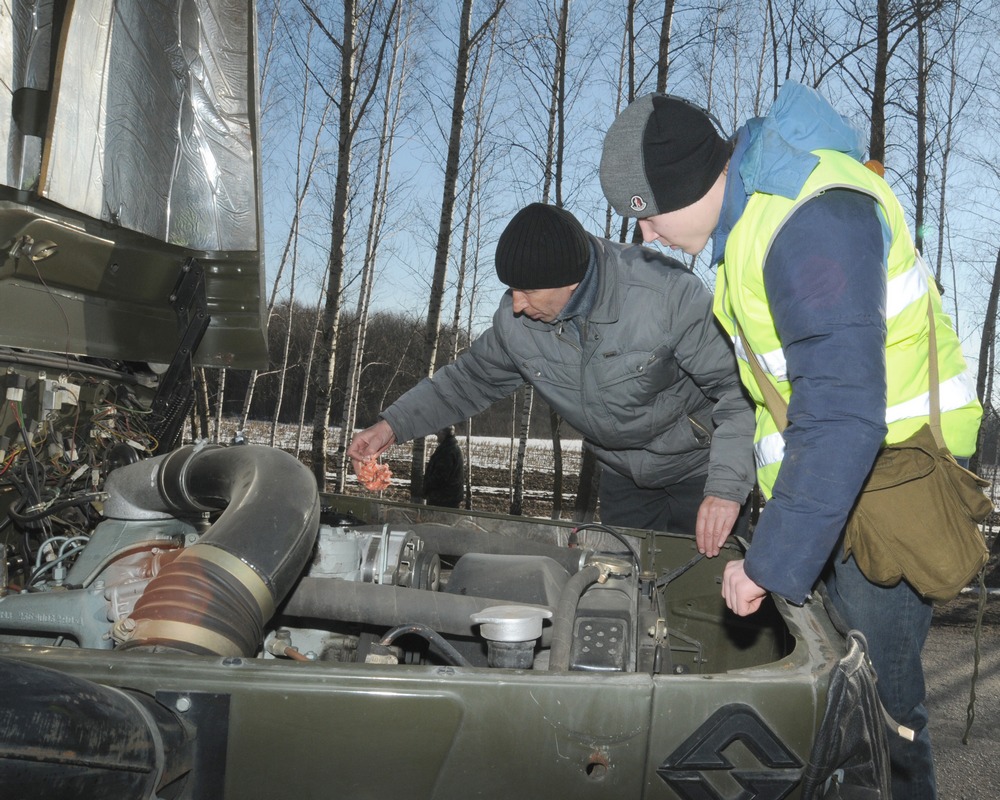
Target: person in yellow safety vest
<point>816,264</point>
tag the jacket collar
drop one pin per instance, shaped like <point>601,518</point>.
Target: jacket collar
<point>773,154</point>
<point>734,200</point>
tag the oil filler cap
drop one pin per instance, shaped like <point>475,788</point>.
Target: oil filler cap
<point>511,623</point>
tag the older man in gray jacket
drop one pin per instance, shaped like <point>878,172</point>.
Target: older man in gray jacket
<point>620,341</point>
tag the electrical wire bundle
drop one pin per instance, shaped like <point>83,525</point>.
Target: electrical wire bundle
<point>51,504</point>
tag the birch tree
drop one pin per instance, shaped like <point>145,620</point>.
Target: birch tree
<point>471,236</point>
<point>468,41</point>
<point>352,103</point>
<point>392,100</point>
<point>307,369</point>
<point>546,67</point>
<point>304,173</point>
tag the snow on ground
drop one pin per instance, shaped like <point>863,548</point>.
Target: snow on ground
<point>487,451</point>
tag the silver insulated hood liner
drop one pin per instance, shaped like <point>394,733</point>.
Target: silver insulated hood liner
<point>130,147</point>
<point>150,127</point>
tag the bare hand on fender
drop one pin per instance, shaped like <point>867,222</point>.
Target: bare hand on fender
<point>370,443</point>
<point>716,518</point>
<point>742,595</point>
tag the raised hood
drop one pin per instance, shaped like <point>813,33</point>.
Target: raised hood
<point>129,186</point>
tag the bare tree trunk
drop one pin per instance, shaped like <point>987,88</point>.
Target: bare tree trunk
<point>987,355</point>
<point>467,42</point>
<point>562,47</point>
<point>380,198</point>
<point>467,478</point>
<point>329,326</point>
<point>552,179</point>
<point>523,432</point>
<point>663,61</point>
<point>517,501</point>
<point>876,142</point>
<point>555,423</point>
<point>307,372</point>
<point>512,451</point>
<point>241,423</point>
<point>586,494</point>
<point>946,147</point>
<point>472,195</point>
<point>920,190</point>
<point>221,396</point>
<point>351,111</point>
<point>468,332</point>
<point>283,371</point>
<point>772,28</point>
<point>626,76</point>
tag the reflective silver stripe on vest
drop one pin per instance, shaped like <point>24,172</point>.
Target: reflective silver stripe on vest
<point>955,393</point>
<point>902,291</point>
<point>769,450</point>
<point>905,289</point>
<point>773,363</point>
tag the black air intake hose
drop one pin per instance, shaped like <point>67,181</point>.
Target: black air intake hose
<point>387,606</point>
<point>218,594</point>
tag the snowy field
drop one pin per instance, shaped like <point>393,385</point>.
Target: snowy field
<point>497,453</point>
<point>492,460</point>
<point>487,452</point>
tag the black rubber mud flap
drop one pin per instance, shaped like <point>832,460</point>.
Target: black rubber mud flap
<point>850,756</point>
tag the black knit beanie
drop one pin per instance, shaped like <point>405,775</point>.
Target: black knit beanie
<point>542,247</point>
<point>661,154</point>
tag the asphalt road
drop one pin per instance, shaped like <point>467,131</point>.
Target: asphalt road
<point>964,771</point>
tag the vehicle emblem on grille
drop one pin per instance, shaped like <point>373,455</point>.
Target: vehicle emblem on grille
<point>685,769</point>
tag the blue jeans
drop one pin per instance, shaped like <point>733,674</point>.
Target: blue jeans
<point>895,621</point>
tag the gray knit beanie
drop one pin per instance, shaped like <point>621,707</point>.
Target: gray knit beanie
<point>662,153</point>
<point>542,247</point>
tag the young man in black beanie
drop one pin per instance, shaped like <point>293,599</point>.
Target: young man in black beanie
<point>820,287</point>
<point>619,340</point>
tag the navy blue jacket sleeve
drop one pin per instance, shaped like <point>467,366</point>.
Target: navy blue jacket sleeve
<point>825,278</point>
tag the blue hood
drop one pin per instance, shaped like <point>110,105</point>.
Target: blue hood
<point>779,159</point>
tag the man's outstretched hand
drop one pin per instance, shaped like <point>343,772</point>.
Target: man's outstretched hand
<point>370,443</point>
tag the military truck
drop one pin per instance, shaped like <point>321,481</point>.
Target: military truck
<point>199,621</point>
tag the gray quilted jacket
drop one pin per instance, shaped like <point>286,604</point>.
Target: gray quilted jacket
<point>650,381</point>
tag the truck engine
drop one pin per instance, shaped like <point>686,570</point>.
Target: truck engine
<point>227,551</point>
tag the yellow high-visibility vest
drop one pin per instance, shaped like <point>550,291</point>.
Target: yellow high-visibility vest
<point>740,295</point>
